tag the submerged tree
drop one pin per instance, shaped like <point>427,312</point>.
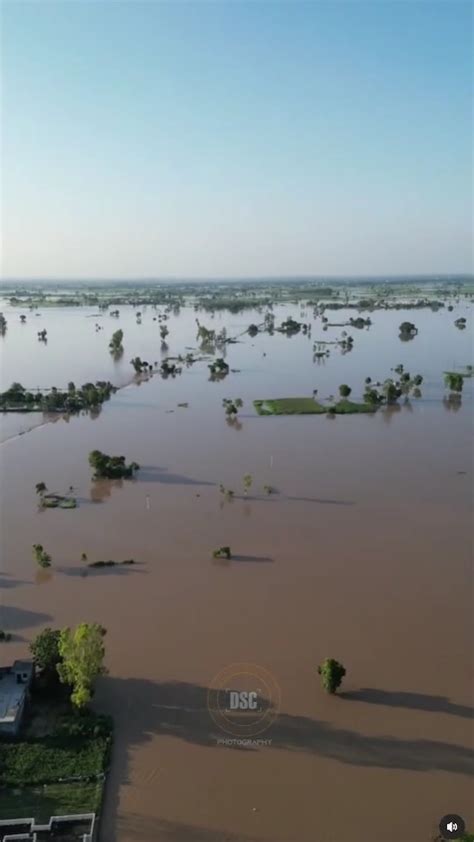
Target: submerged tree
<point>111,467</point>
<point>332,673</point>
<point>222,552</point>
<point>115,343</point>
<point>219,369</point>
<point>41,556</point>
<point>454,381</point>
<point>407,331</point>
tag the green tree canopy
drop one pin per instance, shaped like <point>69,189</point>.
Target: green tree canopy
<point>45,649</point>
<point>332,673</point>
<point>82,651</point>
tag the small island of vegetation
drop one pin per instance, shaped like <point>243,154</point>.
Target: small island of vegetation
<point>111,467</point>
<point>72,400</point>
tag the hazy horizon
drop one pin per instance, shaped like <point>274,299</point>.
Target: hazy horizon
<point>285,279</point>
<point>203,140</point>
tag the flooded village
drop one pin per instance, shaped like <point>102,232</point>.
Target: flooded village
<point>256,492</point>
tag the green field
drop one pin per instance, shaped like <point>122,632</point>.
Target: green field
<point>308,406</point>
<point>469,372</point>
<point>59,763</point>
<point>43,802</point>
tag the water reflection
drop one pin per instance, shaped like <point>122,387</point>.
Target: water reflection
<point>452,402</point>
<point>101,489</point>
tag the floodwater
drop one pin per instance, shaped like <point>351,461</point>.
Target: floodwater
<point>364,554</point>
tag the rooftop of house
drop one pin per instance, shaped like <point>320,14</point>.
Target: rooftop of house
<point>75,828</point>
<point>14,682</point>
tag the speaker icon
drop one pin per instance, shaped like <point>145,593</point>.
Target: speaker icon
<point>452,826</point>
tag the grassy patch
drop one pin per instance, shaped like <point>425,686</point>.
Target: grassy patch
<point>469,372</point>
<point>52,758</point>
<point>54,799</point>
<point>308,406</point>
<point>347,407</point>
<point>289,406</point>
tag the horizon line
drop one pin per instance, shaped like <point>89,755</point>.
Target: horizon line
<point>230,278</point>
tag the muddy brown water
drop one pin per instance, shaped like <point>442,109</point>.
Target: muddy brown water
<point>364,555</point>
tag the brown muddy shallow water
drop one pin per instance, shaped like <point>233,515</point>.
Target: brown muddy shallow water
<point>364,555</point>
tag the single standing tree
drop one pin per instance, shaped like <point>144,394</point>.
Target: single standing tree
<point>45,651</point>
<point>344,391</point>
<point>42,557</point>
<point>247,482</point>
<point>40,488</point>
<point>332,673</point>
<point>82,652</point>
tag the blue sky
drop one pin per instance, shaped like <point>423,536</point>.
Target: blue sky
<point>234,138</point>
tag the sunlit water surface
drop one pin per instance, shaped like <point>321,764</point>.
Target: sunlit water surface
<point>364,554</point>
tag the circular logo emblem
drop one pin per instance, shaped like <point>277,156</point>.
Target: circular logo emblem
<point>243,700</point>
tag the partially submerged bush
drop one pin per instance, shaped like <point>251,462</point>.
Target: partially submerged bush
<point>41,556</point>
<point>454,381</point>
<point>222,552</point>
<point>332,673</point>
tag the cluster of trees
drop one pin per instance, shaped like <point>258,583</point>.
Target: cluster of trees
<point>391,390</point>
<point>111,467</point>
<point>290,326</point>
<point>73,657</point>
<point>141,365</point>
<point>219,369</point>
<point>360,322</point>
<point>346,344</point>
<point>232,406</point>
<point>42,557</point>
<point>204,334</point>
<point>55,400</point>
<point>168,367</point>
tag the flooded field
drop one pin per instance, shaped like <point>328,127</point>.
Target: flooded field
<point>362,553</point>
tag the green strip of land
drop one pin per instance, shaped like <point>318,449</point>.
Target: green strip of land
<point>308,406</point>
<point>469,372</point>
<point>42,802</point>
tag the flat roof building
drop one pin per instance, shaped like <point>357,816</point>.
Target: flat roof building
<point>15,683</point>
<point>76,828</point>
